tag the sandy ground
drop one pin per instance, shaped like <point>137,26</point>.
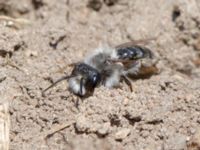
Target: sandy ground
<point>163,112</point>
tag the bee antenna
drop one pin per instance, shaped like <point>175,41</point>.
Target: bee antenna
<point>56,82</point>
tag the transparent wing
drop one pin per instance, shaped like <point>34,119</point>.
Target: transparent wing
<point>135,42</point>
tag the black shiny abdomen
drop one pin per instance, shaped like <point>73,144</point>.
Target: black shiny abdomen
<point>134,53</point>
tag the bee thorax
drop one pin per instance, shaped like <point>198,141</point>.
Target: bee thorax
<point>113,80</point>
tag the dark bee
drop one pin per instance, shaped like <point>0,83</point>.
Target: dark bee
<point>107,66</point>
<point>82,80</point>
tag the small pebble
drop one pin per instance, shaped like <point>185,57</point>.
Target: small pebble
<point>122,134</point>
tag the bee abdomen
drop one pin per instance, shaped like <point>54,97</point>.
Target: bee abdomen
<point>134,53</point>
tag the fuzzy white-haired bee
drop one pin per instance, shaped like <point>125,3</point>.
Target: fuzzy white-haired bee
<point>116,63</point>
<point>107,66</point>
<point>82,80</point>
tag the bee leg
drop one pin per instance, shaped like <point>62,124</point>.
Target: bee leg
<point>103,80</point>
<point>77,103</point>
<point>128,82</point>
<point>81,87</point>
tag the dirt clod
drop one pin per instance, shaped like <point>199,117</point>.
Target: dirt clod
<point>95,4</point>
<point>122,134</point>
<point>82,124</point>
<point>110,2</point>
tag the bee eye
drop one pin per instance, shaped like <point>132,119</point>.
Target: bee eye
<point>94,78</point>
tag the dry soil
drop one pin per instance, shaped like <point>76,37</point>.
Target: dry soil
<point>38,38</point>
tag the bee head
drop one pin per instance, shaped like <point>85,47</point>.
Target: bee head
<point>88,79</point>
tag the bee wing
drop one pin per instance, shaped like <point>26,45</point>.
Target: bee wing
<point>126,63</point>
<point>135,42</point>
<point>120,61</point>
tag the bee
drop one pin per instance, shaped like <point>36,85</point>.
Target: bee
<point>116,63</point>
<point>107,66</point>
<point>82,81</point>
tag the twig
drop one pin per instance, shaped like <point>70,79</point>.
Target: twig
<point>53,130</point>
<point>2,79</point>
<point>8,62</point>
<point>56,129</point>
<point>12,22</point>
<point>4,126</point>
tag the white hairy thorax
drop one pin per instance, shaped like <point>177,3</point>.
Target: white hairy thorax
<point>105,52</point>
<point>113,80</point>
